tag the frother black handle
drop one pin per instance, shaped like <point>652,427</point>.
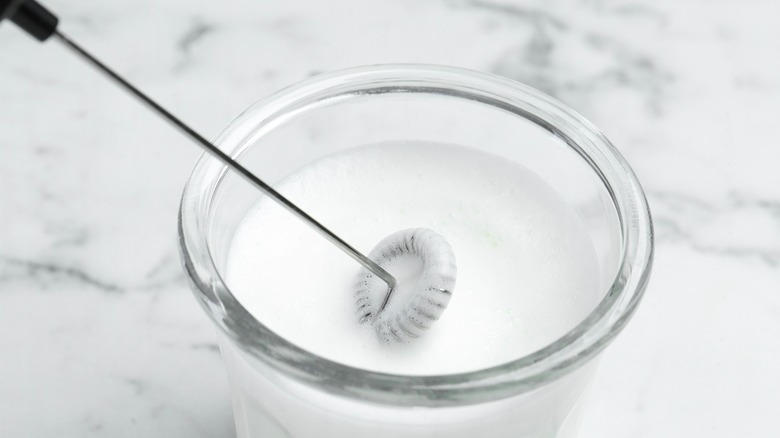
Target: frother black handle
<point>30,16</point>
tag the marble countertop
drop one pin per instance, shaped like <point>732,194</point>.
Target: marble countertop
<point>99,335</point>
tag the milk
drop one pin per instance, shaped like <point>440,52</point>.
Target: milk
<point>527,274</point>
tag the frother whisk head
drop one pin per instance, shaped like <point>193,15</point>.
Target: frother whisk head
<point>420,297</point>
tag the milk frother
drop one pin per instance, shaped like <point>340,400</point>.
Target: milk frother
<point>410,316</point>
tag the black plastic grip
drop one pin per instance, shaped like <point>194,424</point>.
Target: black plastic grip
<point>9,7</point>
<point>30,16</point>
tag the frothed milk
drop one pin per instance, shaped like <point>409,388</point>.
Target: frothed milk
<point>527,271</point>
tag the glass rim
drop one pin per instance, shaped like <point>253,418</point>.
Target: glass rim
<point>561,356</point>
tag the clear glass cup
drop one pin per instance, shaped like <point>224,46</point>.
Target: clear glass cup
<point>282,390</point>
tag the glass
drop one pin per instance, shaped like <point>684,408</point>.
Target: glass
<point>281,390</point>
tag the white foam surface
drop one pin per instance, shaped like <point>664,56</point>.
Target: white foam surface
<point>526,268</point>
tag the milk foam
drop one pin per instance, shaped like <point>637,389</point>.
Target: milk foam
<point>527,270</point>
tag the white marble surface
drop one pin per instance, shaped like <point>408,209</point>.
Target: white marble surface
<point>99,335</point>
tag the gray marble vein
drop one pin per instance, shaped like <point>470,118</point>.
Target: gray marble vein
<point>44,273</point>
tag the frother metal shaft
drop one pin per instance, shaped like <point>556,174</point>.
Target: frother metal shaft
<point>234,165</point>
